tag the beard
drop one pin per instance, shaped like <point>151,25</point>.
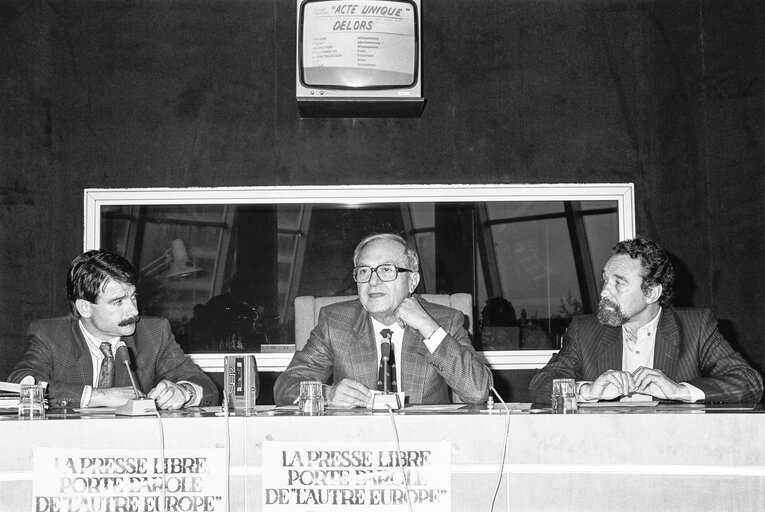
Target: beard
<point>614,317</point>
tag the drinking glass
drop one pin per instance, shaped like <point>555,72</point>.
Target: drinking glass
<point>311,401</point>
<point>563,396</point>
<point>31,402</point>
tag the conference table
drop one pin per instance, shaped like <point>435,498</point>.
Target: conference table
<point>669,456</point>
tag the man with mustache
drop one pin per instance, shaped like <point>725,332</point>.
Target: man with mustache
<point>78,355</point>
<point>638,347</point>
<point>428,341</point>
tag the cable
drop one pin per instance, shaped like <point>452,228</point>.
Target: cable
<point>228,451</point>
<point>227,448</point>
<point>504,452</point>
<point>162,459</point>
<point>398,457</point>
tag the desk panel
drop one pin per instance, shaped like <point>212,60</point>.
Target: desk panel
<point>591,461</point>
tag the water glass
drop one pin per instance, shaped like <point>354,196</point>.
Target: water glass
<point>563,396</point>
<point>311,401</point>
<point>31,402</point>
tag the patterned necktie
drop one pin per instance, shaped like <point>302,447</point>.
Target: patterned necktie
<point>390,368</point>
<point>106,377</point>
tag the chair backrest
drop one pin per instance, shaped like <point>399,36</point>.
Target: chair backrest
<point>307,311</point>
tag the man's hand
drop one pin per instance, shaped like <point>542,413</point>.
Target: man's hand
<point>169,395</point>
<point>110,397</point>
<point>410,313</point>
<point>348,393</point>
<point>611,384</point>
<point>648,379</point>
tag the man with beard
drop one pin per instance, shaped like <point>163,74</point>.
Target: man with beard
<point>640,348</point>
<point>81,357</point>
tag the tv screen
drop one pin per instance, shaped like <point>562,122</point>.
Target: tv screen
<point>358,49</point>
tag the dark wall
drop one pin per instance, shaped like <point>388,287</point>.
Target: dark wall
<point>668,95</point>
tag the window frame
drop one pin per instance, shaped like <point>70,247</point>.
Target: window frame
<point>621,193</point>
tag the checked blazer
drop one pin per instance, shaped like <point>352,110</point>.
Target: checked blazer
<point>342,346</point>
<point>56,352</point>
<point>688,348</point>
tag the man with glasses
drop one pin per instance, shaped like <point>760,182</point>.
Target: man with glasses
<point>429,341</point>
<point>81,357</point>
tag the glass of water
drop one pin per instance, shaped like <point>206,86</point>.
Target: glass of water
<point>31,402</point>
<point>563,397</point>
<point>311,401</point>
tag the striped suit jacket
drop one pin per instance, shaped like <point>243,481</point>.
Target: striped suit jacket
<point>342,346</point>
<point>688,348</point>
<point>57,353</point>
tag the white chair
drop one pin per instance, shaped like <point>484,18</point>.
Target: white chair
<point>307,311</point>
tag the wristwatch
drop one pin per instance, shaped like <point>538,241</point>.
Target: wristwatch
<point>189,391</point>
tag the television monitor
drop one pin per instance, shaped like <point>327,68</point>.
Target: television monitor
<point>359,58</point>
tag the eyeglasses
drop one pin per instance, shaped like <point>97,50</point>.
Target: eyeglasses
<point>386,272</point>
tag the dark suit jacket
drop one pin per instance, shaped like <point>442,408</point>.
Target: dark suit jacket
<point>688,348</point>
<point>342,346</point>
<point>57,353</point>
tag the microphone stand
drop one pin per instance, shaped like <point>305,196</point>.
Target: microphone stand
<point>385,374</point>
<point>385,400</point>
<point>138,406</point>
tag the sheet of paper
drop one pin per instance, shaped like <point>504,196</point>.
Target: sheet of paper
<point>10,386</point>
<point>434,407</point>
<point>637,403</point>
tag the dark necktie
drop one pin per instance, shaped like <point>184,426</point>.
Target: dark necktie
<point>390,368</point>
<point>106,377</point>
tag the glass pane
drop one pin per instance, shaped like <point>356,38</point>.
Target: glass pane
<point>524,263</point>
<point>332,237</point>
<point>165,293</point>
<point>539,285</point>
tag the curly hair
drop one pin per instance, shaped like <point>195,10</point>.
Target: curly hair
<point>657,267</point>
<point>90,272</point>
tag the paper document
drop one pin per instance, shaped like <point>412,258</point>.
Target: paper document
<point>10,386</point>
<point>635,403</point>
<point>434,407</point>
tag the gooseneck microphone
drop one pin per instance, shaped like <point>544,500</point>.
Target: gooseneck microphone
<point>123,357</point>
<point>386,400</point>
<point>385,350</point>
<point>140,405</point>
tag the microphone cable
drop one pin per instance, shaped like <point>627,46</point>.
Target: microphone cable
<point>162,460</point>
<point>228,451</point>
<point>161,429</point>
<point>504,453</point>
<point>398,457</point>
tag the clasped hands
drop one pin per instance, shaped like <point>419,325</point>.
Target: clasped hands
<point>647,381</point>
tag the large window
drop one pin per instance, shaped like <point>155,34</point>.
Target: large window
<point>224,265</point>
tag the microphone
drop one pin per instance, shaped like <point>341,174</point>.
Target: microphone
<point>123,357</point>
<point>385,401</point>
<point>139,405</point>
<point>385,350</point>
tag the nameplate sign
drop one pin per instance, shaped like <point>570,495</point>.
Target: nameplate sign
<point>356,476</point>
<point>68,480</point>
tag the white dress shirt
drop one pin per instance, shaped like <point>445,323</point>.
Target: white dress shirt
<point>637,351</point>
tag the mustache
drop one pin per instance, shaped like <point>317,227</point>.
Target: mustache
<point>608,302</point>
<point>129,320</point>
